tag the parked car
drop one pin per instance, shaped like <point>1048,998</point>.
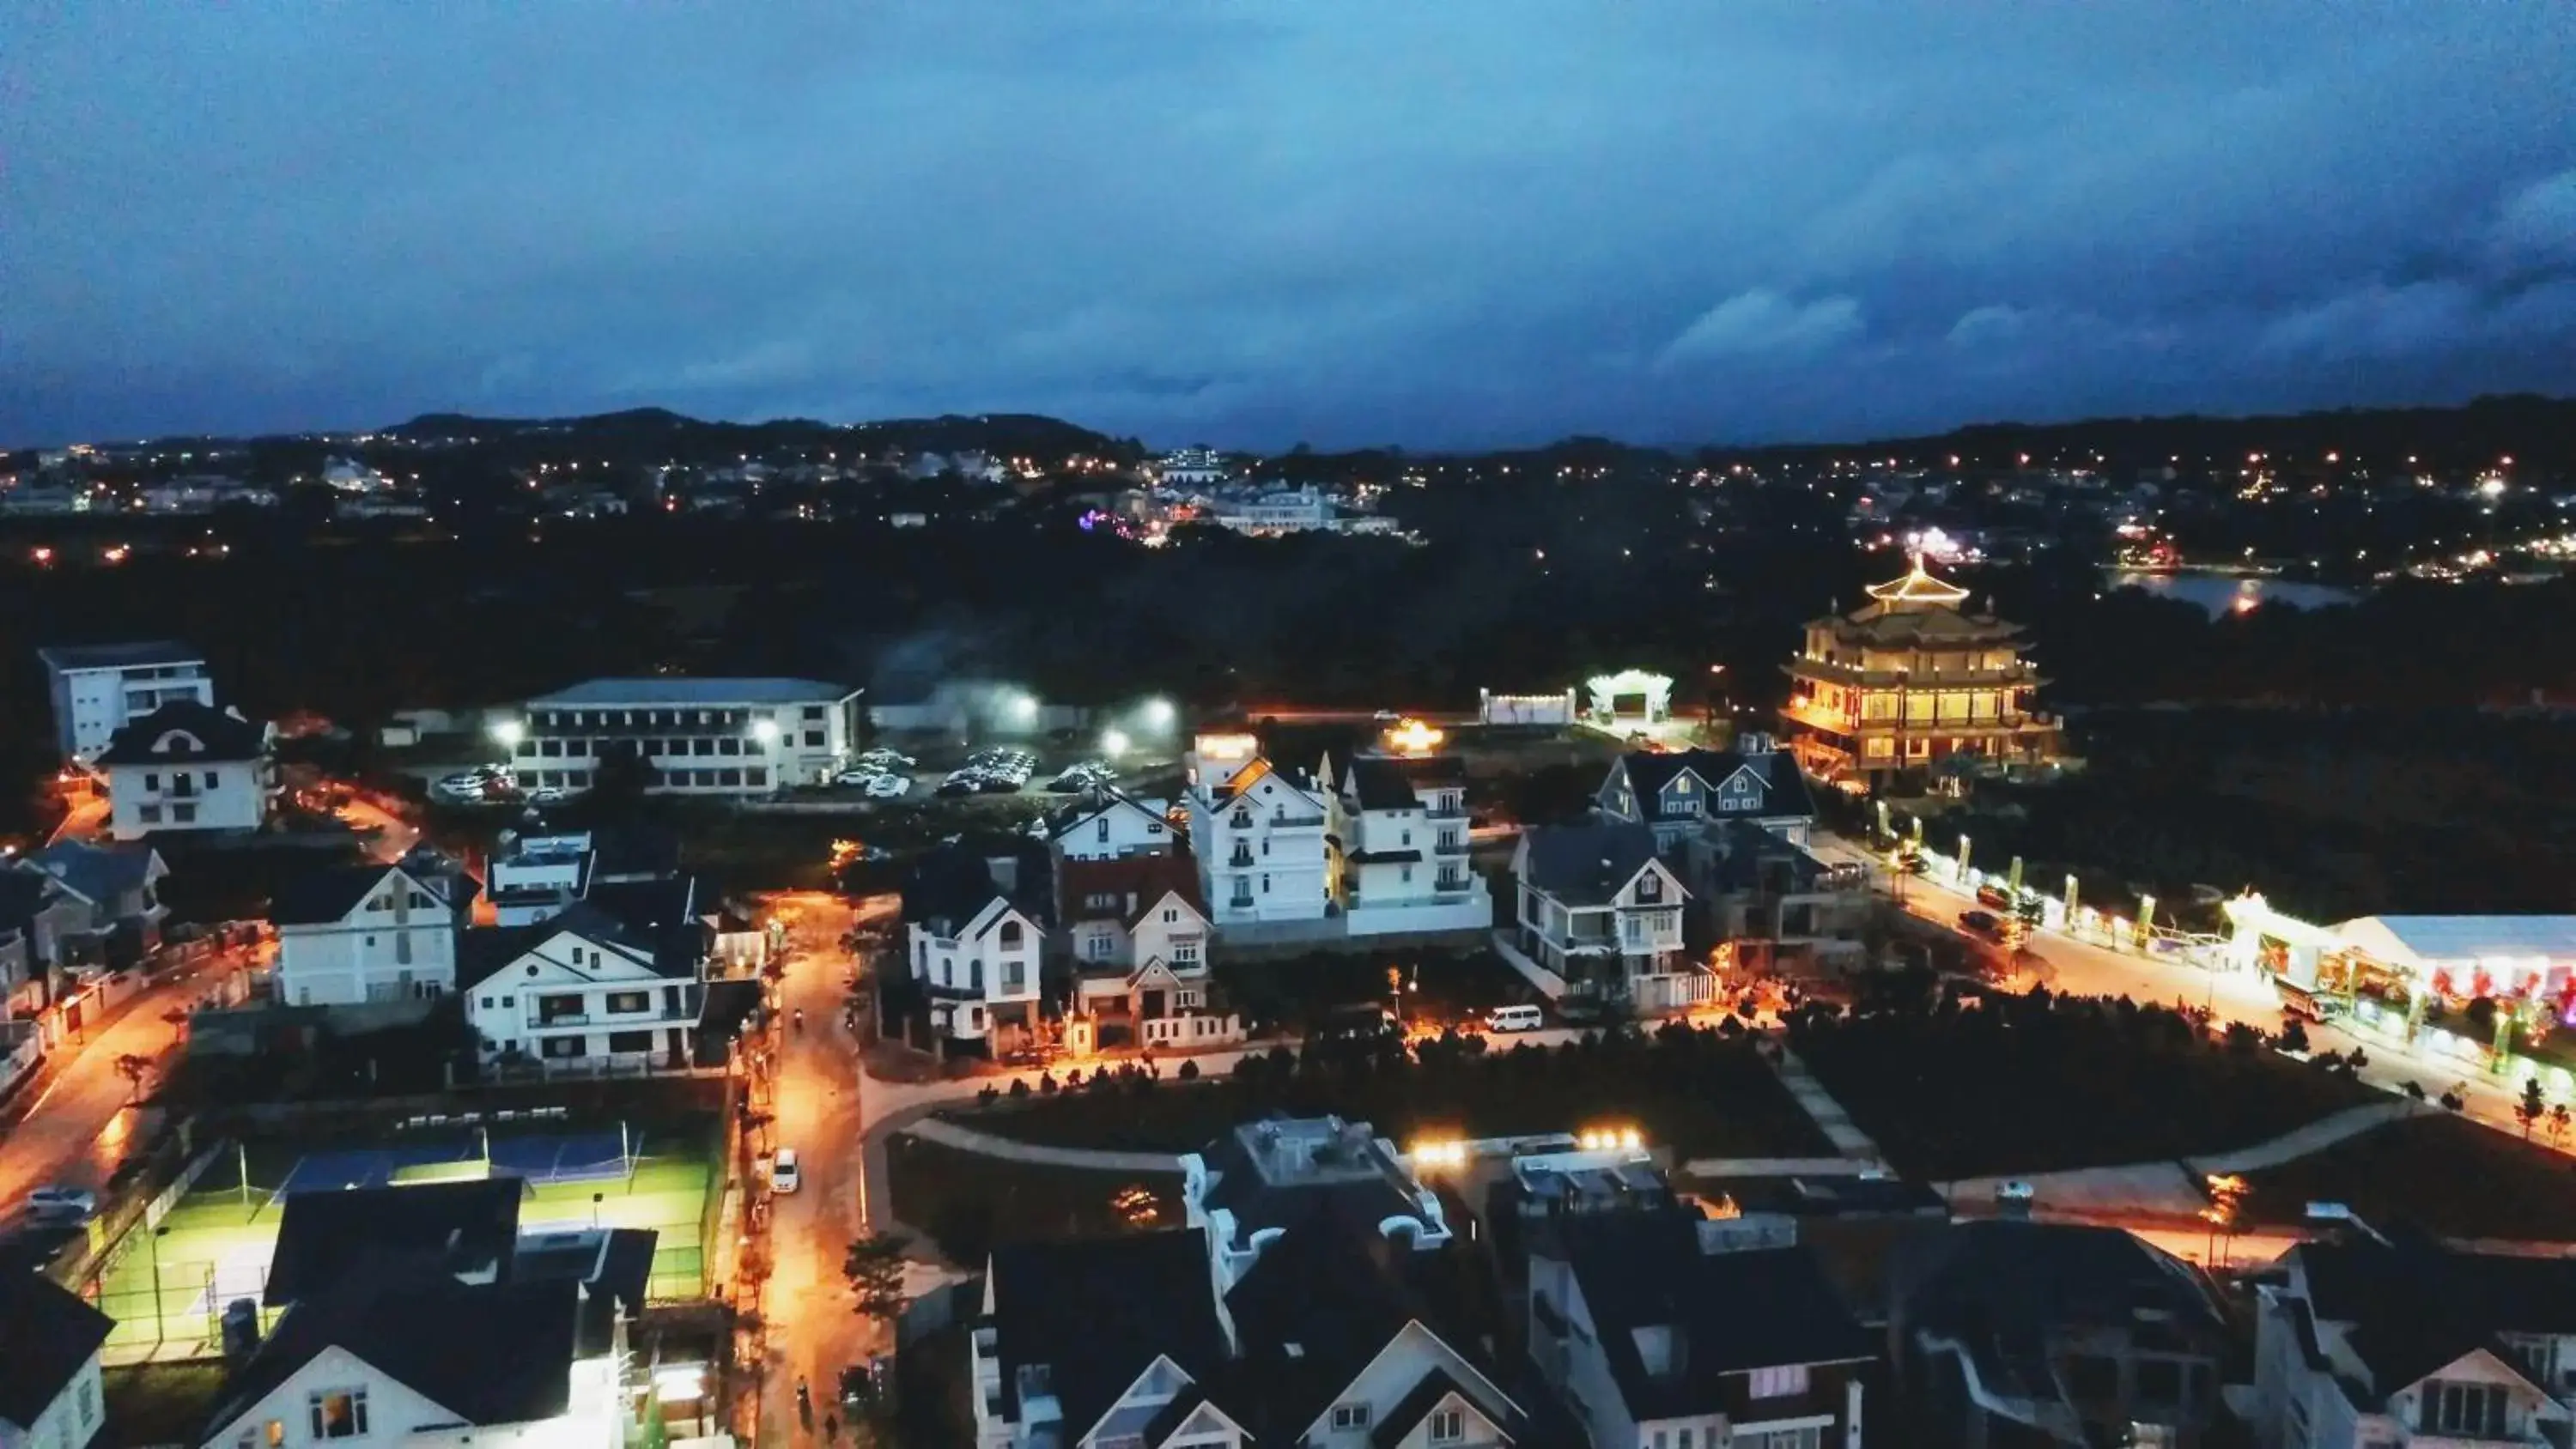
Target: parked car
<point>859,777</point>
<point>889,787</point>
<point>783,1177</point>
<point>58,1203</point>
<point>1995,896</point>
<point>962,782</point>
<point>1514,1018</point>
<point>548,795</point>
<point>1983,923</point>
<point>888,758</point>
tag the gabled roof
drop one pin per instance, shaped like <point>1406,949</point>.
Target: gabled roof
<point>642,909</point>
<point>1398,1423</point>
<point>1098,1312</point>
<point>326,1235</point>
<point>1726,1312</point>
<point>950,887</point>
<point>674,951</point>
<point>99,873</point>
<point>327,896</point>
<point>24,891</point>
<point>47,1335</point>
<point>1587,863</point>
<point>2416,1307</point>
<point>191,731</point>
<point>1379,785</point>
<point>1100,801</point>
<point>1784,788</point>
<point>1132,885</point>
<point>69,657</point>
<point>2005,1291</point>
<point>491,1353</point>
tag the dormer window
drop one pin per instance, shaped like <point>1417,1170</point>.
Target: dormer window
<point>1650,887</point>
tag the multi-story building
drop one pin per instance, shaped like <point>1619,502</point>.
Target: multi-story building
<point>585,990</point>
<point>1258,833</point>
<point>692,736</point>
<point>1263,1177</point>
<point>1600,909</point>
<point>1674,793</point>
<point>49,1381</point>
<point>1659,1326</point>
<point>2390,1345</point>
<point>2016,1332</point>
<point>974,943</point>
<point>1912,680</point>
<point>1320,1340</point>
<point>1137,932</point>
<point>1192,468</point>
<point>1108,824</point>
<point>98,689</point>
<point>1771,901</point>
<point>357,935</point>
<point>188,766</point>
<point>1395,842</point>
<point>530,877</point>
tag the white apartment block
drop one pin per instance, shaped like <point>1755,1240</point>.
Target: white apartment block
<point>1258,833</point>
<point>98,689</point>
<point>705,737</point>
<point>356,935</point>
<point>188,766</point>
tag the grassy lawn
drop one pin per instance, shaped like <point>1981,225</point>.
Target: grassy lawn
<point>2025,1086</point>
<point>967,1202</point>
<point>1696,1093</point>
<point>161,1403</point>
<point>2449,1177</point>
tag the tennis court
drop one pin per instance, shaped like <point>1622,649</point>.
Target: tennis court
<point>167,1289</point>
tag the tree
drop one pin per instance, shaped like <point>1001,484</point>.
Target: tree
<point>874,1268</point>
<point>134,1069</point>
<point>2558,1123</point>
<point>2530,1109</point>
<point>2294,1035</point>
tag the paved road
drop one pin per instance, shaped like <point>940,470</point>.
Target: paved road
<point>2083,969</point>
<point>813,1332</point>
<point>81,1124</point>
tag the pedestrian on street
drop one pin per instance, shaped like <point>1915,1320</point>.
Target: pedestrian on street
<point>831,1427</point>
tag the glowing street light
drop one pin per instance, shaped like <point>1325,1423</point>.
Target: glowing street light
<point>765,731</point>
<point>507,733</point>
<point>1160,714</point>
<point>1024,709</point>
<point>1114,743</point>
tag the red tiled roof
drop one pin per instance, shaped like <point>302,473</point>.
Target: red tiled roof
<point>1134,884</point>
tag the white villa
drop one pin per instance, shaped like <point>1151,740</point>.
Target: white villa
<point>1598,908</point>
<point>1396,842</point>
<point>360,935</point>
<point>1259,835</point>
<point>975,952</point>
<point>585,990</point>
<point>188,766</point>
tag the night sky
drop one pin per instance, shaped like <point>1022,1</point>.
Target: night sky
<point>1251,222</point>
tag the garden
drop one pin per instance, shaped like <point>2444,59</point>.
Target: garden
<point>2442,1174</point>
<point>966,1202</point>
<point>2036,1083</point>
<point>1700,1093</point>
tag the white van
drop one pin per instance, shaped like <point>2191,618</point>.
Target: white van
<point>1514,1018</point>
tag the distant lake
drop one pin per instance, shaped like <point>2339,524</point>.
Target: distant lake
<point>2219,593</point>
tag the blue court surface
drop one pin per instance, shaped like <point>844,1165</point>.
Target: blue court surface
<point>544,1157</point>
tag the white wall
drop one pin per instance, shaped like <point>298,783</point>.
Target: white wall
<point>503,1008</point>
<point>977,959</point>
<point>1393,1374</point>
<point>396,1414</point>
<point>361,958</point>
<point>1118,829</point>
<point>1278,871</point>
<point>69,1422</point>
<point>226,795</point>
<point>92,704</point>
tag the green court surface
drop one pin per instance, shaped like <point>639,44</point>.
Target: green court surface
<point>214,1247</point>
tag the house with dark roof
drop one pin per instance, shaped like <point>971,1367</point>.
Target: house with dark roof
<point>1136,930</point>
<point>1265,1178</point>
<point>975,939</point>
<point>49,927</point>
<point>49,1368</point>
<point>120,884</point>
<point>586,989</point>
<point>1661,1326</point>
<point>1330,1339</point>
<point>1395,840</point>
<point>97,688</point>
<point>2011,1331</point>
<point>2406,1342</point>
<point>420,1357</point>
<point>1771,900</point>
<point>466,1230</point>
<point>1674,792</point>
<point>1600,908</point>
<point>1108,823</point>
<point>371,935</point>
<point>188,766</point>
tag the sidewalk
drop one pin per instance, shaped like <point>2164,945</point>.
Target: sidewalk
<point>1828,1114</point>
<point>967,1139</point>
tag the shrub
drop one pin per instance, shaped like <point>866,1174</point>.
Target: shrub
<point>1046,1084</point>
<point>1190,1070</point>
<point>1019,1088</point>
<point>988,1096</point>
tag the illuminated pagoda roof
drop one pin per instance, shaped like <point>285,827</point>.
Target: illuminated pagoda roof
<point>1918,589</point>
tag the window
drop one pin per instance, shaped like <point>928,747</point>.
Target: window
<point>151,781</point>
<point>183,814</point>
<point>1350,1416</point>
<point>550,749</point>
<point>89,1403</point>
<point>731,778</point>
<point>1650,887</point>
<point>757,778</point>
<point>1099,947</point>
<point>630,1041</point>
<point>1101,833</point>
<point>1408,875</point>
<point>340,1414</point>
<point>562,1047</point>
<point>728,746</point>
<point>1011,935</point>
<point>1185,953</point>
<point>630,1001</point>
<point>1171,916</point>
<point>487,1003</point>
<point>1778,1383</point>
<point>702,747</point>
<point>1014,976</point>
<point>813,711</point>
<point>149,814</point>
<point>1448,1426</point>
<point>2468,1410</point>
<point>813,739</point>
<point>1408,838</point>
<point>274,1433</point>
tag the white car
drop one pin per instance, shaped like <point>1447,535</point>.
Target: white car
<point>548,795</point>
<point>861,777</point>
<point>889,787</point>
<point>62,1204</point>
<point>783,1177</point>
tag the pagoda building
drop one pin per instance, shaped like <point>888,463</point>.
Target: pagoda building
<point>1913,681</point>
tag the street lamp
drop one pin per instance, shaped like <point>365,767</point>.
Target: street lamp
<point>1160,714</point>
<point>1113,743</point>
<point>507,733</point>
<point>765,731</point>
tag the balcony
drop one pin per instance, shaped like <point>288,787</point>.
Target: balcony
<point>1240,860</point>
<point>1296,822</point>
<point>1457,846</point>
<point>1447,812</point>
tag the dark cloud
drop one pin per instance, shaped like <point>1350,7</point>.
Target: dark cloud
<point>1250,221</point>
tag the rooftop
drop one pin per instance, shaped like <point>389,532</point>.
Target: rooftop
<point>657,690</point>
<point>327,1235</point>
<point>70,657</point>
<point>184,730</point>
<point>47,1333</point>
